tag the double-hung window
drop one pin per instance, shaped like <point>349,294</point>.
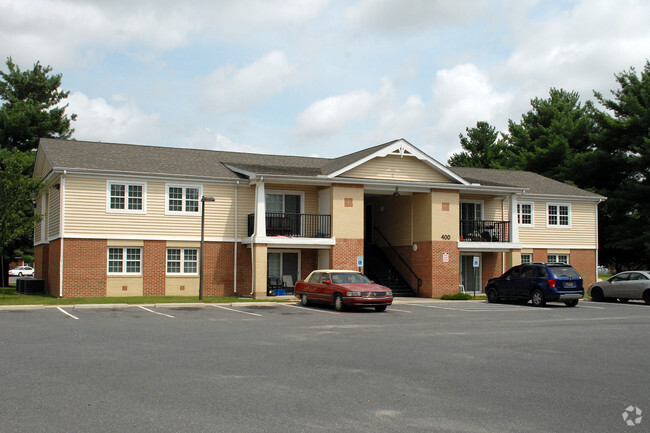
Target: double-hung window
<point>558,258</point>
<point>526,258</point>
<point>525,214</point>
<point>183,199</point>
<point>124,260</point>
<point>182,260</point>
<point>558,215</point>
<point>126,197</point>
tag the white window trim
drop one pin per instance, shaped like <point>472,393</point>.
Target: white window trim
<point>557,257</point>
<point>182,260</point>
<point>184,186</point>
<point>286,192</point>
<point>126,183</point>
<point>481,202</point>
<point>526,254</point>
<point>558,225</point>
<point>124,260</point>
<point>532,213</point>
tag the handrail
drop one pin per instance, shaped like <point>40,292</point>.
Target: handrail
<point>419,280</point>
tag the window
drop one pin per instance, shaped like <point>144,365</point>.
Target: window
<point>124,260</point>
<point>526,258</point>
<point>525,214</point>
<point>183,199</point>
<point>558,258</point>
<point>126,197</point>
<point>558,215</point>
<point>182,261</point>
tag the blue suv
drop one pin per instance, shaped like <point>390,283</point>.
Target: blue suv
<point>539,283</point>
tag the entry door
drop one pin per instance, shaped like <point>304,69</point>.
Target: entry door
<point>470,277</point>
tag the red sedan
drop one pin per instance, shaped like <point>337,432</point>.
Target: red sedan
<point>342,289</point>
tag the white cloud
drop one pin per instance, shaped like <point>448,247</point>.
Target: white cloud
<point>462,96</point>
<point>100,121</point>
<point>411,15</point>
<point>230,89</point>
<point>206,138</point>
<point>330,115</point>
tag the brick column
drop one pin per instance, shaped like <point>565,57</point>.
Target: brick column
<point>154,268</point>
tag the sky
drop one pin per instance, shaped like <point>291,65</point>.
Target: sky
<point>318,77</point>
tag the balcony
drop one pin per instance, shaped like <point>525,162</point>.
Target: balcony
<point>294,225</point>
<point>484,231</point>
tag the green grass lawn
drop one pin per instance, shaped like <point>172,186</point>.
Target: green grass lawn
<point>8,296</point>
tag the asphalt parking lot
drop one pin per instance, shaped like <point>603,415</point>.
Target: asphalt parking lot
<point>418,367</point>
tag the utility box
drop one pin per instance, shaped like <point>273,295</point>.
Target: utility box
<point>30,286</point>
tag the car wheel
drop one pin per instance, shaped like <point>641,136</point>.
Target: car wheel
<point>538,298</point>
<point>492,295</point>
<point>338,302</point>
<point>623,300</point>
<point>380,308</point>
<point>597,294</point>
<point>646,296</point>
<point>303,300</point>
<point>20,274</point>
<point>571,303</point>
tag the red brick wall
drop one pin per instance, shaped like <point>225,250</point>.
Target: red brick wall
<point>492,266</point>
<point>446,278</point>
<point>344,254</point>
<point>308,262</point>
<point>85,267</point>
<point>54,267</point>
<point>41,264</point>
<point>154,268</point>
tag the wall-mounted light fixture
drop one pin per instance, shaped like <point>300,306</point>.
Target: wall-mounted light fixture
<point>396,194</point>
<point>57,186</point>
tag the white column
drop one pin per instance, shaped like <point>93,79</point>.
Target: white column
<point>514,227</point>
<point>260,210</point>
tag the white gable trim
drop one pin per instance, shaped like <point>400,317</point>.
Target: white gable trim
<point>403,149</point>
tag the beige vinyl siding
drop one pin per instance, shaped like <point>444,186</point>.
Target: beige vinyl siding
<point>396,168</point>
<point>37,226</point>
<point>54,214</point>
<point>582,231</point>
<point>42,166</point>
<point>86,213</point>
<point>493,209</point>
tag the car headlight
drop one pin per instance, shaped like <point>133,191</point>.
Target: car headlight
<point>354,294</point>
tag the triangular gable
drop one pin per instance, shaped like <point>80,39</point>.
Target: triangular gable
<point>399,160</point>
<point>42,165</point>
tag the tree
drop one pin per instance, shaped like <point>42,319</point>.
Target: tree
<point>31,107</point>
<point>483,148</point>
<point>552,137</point>
<point>17,193</point>
<point>623,159</point>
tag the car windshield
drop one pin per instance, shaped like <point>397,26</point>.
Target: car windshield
<point>564,271</point>
<point>349,278</point>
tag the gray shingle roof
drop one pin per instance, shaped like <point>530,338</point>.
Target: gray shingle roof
<point>158,160</point>
<point>536,184</point>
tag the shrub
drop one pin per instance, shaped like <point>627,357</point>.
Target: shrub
<point>457,297</point>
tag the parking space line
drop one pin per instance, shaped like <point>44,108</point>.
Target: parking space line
<point>589,306</point>
<point>310,309</point>
<point>236,311</point>
<point>477,309</point>
<point>66,313</point>
<point>395,310</point>
<point>155,312</point>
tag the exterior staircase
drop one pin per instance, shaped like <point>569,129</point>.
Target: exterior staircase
<point>379,269</point>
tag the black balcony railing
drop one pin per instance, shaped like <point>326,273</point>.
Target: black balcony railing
<point>299,225</point>
<point>484,231</point>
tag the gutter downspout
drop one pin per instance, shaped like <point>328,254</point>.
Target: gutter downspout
<point>61,231</point>
<point>257,186</point>
<point>236,224</point>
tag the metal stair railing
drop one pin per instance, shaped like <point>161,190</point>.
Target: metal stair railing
<point>418,279</point>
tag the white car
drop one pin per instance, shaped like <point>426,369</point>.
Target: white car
<point>624,286</point>
<point>21,271</point>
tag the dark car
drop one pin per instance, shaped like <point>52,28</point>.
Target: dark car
<point>538,282</point>
<point>342,289</point>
